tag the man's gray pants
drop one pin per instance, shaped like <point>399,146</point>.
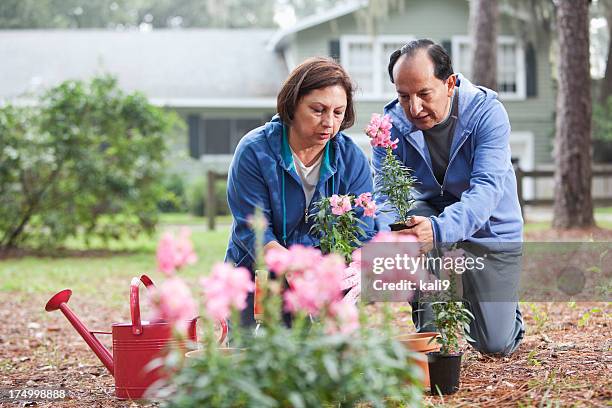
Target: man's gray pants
<point>490,295</point>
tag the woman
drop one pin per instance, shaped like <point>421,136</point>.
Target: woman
<point>301,155</point>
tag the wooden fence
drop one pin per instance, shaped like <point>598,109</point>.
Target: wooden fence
<point>535,174</point>
<point>210,198</point>
<point>521,175</point>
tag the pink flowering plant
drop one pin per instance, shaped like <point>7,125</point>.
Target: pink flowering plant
<point>327,356</point>
<point>394,180</point>
<point>337,224</point>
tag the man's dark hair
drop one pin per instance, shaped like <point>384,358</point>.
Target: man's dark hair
<point>314,73</point>
<point>443,67</point>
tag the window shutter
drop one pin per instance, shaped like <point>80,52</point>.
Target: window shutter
<point>193,124</point>
<point>241,128</point>
<point>217,136</point>
<point>531,68</point>
<point>334,49</point>
<point>448,47</point>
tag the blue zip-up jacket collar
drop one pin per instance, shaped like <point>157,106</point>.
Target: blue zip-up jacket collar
<point>477,198</point>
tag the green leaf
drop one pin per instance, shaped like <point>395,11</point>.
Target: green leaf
<point>331,367</point>
<point>296,400</point>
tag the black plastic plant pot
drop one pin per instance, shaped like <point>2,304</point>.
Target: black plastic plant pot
<point>398,226</point>
<point>444,372</point>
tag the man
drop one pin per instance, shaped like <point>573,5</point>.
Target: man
<point>454,136</point>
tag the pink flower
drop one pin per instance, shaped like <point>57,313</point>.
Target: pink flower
<point>278,259</point>
<point>165,254</point>
<point>317,286</point>
<point>227,287</point>
<point>370,209</point>
<point>185,254</point>
<point>379,131</point>
<point>365,201</point>
<point>175,252</point>
<point>172,301</point>
<point>352,278</point>
<point>296,258</point>
<point>345,318</point>
<point>387,236</point>
<point>392,258</point>
<point>340,204</point>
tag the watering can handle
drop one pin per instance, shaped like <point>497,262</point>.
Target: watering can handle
<point>147,281</point>
<point>135,307</point>
<point>224,330</point>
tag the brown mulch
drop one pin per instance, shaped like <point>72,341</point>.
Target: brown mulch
<point>559,362</point>
<point>575,234</point>
<point>564,360</point>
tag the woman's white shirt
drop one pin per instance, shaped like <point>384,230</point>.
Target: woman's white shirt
<point>308,174</point>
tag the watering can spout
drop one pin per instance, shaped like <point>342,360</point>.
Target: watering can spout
<point>60,301</point>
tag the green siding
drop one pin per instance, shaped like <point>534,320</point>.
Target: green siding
<point>440,20</point>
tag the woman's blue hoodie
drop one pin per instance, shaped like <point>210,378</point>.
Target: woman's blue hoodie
<point>262,174</point>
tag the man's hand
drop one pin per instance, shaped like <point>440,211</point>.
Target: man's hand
<point>422,228</point>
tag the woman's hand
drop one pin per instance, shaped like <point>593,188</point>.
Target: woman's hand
<point>273,245</point>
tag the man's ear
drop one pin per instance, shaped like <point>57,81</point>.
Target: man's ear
<point>450,83</point>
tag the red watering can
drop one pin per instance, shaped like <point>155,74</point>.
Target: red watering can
<point>135,344</point>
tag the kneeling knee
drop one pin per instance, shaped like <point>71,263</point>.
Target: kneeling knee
<point>494,347</point>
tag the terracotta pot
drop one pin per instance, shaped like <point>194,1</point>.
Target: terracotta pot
<point>421,343</point>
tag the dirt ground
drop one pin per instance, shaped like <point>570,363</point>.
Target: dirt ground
<point>564,360</point>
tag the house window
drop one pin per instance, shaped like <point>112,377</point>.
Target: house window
<point>218,136</point>
<point>510,65</point>
<point>366,59</point>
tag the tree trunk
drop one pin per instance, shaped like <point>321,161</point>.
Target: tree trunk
<point>573,202</point>
<point>483,32</point>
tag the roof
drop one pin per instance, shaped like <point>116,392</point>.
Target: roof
<point>281,38</point>
<point>172,67</point>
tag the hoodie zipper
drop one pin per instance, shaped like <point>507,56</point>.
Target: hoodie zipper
<point>428,166</point>
<point>441,186</point>
<point>450,161</point>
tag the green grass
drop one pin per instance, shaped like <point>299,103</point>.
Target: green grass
<point>109,272</point>
<point>190,219</point>
<point>541,226</point>
<point>603,210</point>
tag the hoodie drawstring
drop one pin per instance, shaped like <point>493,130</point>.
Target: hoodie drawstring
<point>284,210</point>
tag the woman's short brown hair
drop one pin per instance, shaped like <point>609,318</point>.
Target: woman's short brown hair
<point>314,73</point>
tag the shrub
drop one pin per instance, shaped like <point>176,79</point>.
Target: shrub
<point>197,204</point>
<point>87,159</point>
<point>174,198</point>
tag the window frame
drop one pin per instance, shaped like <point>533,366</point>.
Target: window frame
<point>521,79</point>
<point>234,134</point>
<point>378,68</point>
